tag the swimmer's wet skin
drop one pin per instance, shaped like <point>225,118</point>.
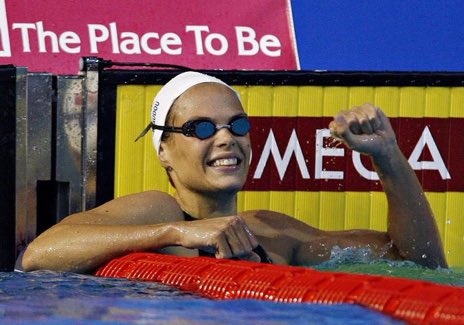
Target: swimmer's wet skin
<point>201,136</point>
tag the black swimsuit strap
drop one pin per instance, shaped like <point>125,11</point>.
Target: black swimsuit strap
<point>188,217</point>
<point>258,249</point>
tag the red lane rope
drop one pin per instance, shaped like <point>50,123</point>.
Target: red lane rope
<point>417,302</point>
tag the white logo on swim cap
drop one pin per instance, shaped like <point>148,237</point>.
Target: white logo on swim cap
<point>154,111</point>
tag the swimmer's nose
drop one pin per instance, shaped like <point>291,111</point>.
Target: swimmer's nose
<point>224,137</point>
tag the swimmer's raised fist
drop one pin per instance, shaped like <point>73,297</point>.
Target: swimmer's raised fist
<point>365,129</point>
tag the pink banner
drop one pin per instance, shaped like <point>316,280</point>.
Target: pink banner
<point>51,36</point>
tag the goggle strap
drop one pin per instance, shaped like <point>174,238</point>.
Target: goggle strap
<point>145,131</point>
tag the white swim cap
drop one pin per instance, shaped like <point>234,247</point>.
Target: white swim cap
<point>170,92</point>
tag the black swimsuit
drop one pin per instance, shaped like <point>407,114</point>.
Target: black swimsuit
<point>258,249</point>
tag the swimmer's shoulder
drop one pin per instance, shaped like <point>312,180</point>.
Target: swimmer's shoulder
<point>148,207</point>
<point>274,224</point>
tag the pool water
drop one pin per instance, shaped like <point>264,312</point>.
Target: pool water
<point>361,261</point>
<point>45,297</point>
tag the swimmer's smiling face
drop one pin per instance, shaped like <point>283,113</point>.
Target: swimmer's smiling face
<point>219,163</point>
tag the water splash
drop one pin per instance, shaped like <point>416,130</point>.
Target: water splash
<point>364,261</point>
<point>349,255</point>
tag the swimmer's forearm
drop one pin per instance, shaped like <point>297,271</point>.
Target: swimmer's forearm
<point>411,224</point>
<point>83,248</point>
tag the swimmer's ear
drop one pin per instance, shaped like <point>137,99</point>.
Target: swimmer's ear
<point>163,156</point>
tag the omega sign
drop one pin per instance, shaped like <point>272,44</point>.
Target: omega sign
<point>297,154</point>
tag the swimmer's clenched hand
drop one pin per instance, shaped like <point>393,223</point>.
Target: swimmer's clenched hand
<point>226,237</point>
<point>365,129</point>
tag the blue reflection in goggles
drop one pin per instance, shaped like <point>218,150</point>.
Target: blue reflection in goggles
<point>204,129</point>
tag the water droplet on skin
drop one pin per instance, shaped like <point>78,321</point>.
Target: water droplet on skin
<point>334,142</point>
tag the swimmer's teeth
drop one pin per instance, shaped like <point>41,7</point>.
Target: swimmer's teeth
<point>225,162</point>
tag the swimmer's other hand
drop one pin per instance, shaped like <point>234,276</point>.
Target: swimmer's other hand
<point>227,237</point>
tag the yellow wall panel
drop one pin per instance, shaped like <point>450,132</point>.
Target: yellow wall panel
<point>437,102</point>
<point>255,200</point>
<point>360,95</point>
<point>388,98</point>
<point>439,203</point>
<point>412,102</point>
<point>457,98</point>
<point>378,211</point>
<point>281,202</point>
<point>332,211</point>
<point>285,101</point>
<point>335,98</point>
<point>131,115</point>
<point>259,101</point>
<point>357,210</point>
<point>307,207</point>
<point>310,101</point>
<point>454,229</point>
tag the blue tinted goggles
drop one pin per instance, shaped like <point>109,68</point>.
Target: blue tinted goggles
<point>204,129</point>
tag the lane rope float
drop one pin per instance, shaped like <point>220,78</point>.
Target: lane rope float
<point>415,301</point>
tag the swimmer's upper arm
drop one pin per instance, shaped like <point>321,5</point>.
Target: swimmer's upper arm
<point>148,207</point>
<point>298,243</point>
